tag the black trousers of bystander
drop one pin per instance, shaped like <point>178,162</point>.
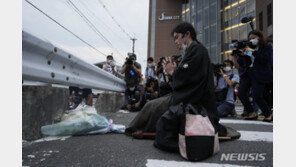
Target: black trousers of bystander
<point>247,82</point>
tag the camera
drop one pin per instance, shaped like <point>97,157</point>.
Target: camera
<point>134,98</point>
<point>132,101</point>
<point>217,68</point>
<point>130,59</point>
<point>237,45</point>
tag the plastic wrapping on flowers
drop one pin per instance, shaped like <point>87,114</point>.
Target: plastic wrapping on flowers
<point>84,120</point>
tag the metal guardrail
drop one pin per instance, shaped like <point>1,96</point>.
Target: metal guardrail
<point>44,62</point>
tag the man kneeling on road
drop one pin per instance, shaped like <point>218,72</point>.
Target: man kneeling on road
<point>192,83</point>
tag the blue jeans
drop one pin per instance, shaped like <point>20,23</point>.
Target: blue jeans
<point>224,108</point>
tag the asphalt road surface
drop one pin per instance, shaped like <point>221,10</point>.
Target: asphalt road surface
<point>254,148</point>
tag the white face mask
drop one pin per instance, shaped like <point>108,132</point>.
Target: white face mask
<point>254,41</point>
<point>150,65</point>
<point>227,69</point>
<point>109,61</point>
<point>184,47</point>
<point>132,89</point>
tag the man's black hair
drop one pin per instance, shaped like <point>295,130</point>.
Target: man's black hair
<point>230,62</point>
<point>183,28</point>
<point>150,59</point>
<point>109,56</point>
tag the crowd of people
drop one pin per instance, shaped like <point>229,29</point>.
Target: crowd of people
<point>191,79</point>
<point>175,83</point>
<point>141,89</point>
<point>255,66</point>
<point>252,85</point>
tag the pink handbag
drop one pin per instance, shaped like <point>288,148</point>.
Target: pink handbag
<point>197,137</point>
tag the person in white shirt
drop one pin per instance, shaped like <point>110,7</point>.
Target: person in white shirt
<point>150,69</point>
<point>110,66</point>
<point>226,81</point>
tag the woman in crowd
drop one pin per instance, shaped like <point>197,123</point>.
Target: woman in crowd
<point>255,75</point>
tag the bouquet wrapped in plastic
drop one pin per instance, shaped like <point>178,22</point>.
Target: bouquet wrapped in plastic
<point>82,121</point>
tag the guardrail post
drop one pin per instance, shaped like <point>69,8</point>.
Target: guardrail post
<point>41,106</point>
<point>109,102</point>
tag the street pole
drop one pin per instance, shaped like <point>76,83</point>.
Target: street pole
<point>133,39</point>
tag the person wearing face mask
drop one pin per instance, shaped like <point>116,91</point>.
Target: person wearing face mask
<point>132,99</point>
<point>192,83</point>
<point>256,75</point>
<point>132,70</point>
<point>224,85</point>
<point>133,80</point>
<point>150,69</point>
<point>110,66</point>
<point>150,77</point>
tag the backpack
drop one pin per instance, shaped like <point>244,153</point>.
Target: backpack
<point>198,139</point>
<point>221,94</point>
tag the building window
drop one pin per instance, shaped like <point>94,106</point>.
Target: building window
<point>213,13</point>
<point>227,36</point>
<point>192,3</point>
<point>199,21</point>
<point>213,54</point>
<point>205,3</point>
<point>234,34</point>
<point>234,12</point>
<point>227,15</point>
<point>212,1</point>
<point>213,34</point>
<point>261,21</point>
<point>206,37</point>
<point>206,17</point>
<point>199,37</point>
<point>242,8</point>
<point>250,6</point>
<point>225,3</point>
<point>183,12</point>
<point>243,33</point>
<point>193,20</point>
<point>199,4</point>
<point>269,15</point>
<point>187,14</point>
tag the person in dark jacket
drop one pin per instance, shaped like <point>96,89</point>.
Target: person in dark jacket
<point>192,83</point>
<point>255,73</point>
<point>268,91</point>
<point>192,79</point>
